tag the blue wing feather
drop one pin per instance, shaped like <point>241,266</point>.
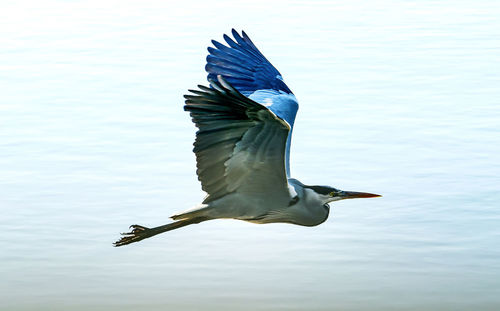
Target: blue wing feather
<point>243,55</point>
<point>242,65</point>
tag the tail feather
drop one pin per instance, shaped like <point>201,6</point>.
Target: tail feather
<point>200,211</point>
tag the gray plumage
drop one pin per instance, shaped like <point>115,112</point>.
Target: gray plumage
<point>242,150</point>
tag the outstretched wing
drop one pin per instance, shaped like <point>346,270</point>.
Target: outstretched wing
<point>249,72</point>
<point>240,144</point>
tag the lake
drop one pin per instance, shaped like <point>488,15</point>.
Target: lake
<point>396,98</point>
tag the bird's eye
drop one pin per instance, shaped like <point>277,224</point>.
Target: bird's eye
<point>332,194</point>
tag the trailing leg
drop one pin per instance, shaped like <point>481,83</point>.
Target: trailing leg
<point>139,233</point>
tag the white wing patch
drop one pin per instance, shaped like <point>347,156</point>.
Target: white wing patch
<point>292,191</point>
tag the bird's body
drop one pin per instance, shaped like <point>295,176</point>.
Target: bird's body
<point>245,121</point>
<point>299,206</point>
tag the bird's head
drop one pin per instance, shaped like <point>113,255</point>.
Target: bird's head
<point>329,194</point>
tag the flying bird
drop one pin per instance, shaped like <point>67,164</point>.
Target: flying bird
<point>245,122</point>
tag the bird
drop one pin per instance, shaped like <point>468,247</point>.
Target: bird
<point>245,121</point>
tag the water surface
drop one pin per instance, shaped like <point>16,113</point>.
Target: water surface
<point>397,98</point>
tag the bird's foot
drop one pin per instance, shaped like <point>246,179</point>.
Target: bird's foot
<point>136,234</point>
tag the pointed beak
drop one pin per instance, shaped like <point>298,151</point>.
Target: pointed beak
<point>356,195</point>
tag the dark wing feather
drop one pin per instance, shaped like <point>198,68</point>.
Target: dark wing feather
<point>240,144</point>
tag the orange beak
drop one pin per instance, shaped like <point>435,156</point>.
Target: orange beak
<point>356,195</point>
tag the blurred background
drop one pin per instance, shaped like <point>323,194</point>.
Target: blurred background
<point>400,98</point>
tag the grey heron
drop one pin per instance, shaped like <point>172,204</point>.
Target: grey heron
<point>242,146</point>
